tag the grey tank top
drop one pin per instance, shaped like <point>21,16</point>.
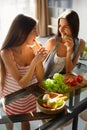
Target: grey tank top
<point>54,64</point>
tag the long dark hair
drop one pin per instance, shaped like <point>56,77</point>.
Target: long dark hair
<point>73,21</point>
<point>19,30</point>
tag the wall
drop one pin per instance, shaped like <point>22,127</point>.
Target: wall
<point>81,7</point>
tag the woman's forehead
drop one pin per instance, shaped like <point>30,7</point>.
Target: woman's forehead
<point>63,21</point>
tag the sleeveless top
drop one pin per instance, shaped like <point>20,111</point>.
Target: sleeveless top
<point>56,64</point>
<point>24,105</point>
<point>59,63</point>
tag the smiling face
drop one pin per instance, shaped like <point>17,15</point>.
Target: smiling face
<point>64,28</point>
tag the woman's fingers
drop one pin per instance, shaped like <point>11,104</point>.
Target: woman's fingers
<point>41,54</point>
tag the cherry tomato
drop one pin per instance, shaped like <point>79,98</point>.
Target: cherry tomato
<point>79,78</point>
<point>73,82</point>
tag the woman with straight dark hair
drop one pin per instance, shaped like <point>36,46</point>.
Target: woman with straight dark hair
<point>65,47</point>
<point>21,65</point>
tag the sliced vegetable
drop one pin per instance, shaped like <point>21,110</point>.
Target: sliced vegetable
<point>60,103</point>
<point>79,78</point>
<point>74,80</point>
<point>41,101</point>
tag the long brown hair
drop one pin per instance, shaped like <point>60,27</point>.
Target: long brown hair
<point>73,21</point>
<point>19,30</point>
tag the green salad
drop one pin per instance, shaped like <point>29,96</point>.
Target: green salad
<point>56,84</point>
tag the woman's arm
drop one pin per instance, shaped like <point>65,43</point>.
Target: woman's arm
<point>39,66</point>
<point>40,71</point>
<point>80,49</point>
<point>70,64</point>
<point>13,70</point>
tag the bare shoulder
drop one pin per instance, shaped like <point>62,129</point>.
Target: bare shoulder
<point>5,53</point>
<point>50,43</point>
<point>82,42</point>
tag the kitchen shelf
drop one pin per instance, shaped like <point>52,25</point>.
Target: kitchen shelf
<point>60,3</point>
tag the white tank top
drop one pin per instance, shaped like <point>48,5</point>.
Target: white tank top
<point>59,63</point>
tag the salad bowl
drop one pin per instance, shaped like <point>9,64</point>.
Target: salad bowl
<point>51,106</point>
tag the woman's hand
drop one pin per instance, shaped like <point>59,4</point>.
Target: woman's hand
<point>41,54</point>
<point>69,43</point>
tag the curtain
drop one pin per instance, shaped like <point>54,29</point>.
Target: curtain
<point>43,17</point>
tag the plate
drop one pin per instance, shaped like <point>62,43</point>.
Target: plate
<point>50,110</point>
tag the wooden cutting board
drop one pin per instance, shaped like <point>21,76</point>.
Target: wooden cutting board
<point>79,85</point>
<point>83,84</point>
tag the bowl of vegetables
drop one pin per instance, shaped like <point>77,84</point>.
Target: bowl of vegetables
<point>51,103</point>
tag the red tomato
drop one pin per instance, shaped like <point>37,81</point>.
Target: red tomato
<point>79,78</point>
<point>73,82</point>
